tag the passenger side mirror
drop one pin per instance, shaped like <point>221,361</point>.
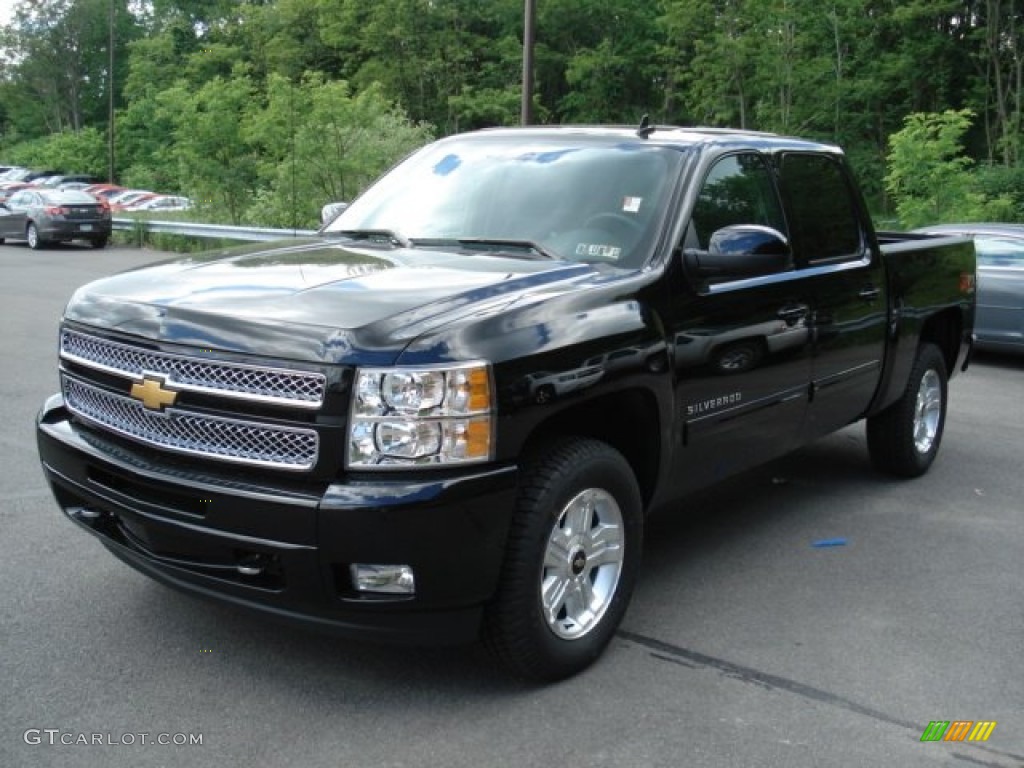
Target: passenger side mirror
<point>741,250</point>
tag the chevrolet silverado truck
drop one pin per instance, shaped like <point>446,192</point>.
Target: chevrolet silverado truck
<point>448,415</point>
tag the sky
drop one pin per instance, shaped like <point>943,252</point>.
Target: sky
<point>6,11</point>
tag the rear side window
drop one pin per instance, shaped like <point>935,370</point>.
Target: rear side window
<point>820,209</point>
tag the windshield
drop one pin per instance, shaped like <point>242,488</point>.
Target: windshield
<point>584,200</point>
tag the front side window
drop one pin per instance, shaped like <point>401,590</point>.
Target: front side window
<point>738,190</point>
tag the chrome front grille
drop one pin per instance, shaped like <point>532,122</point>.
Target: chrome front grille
<point>302,389</point>
<point>216,437</point>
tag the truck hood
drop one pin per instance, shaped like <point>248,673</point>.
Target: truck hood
<point>314,300</point>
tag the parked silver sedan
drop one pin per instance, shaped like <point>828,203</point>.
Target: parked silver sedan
<point>999,325</point>
<point>40,216</point>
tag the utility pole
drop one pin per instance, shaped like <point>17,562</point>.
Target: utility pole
<point>110,98</point>
<point>529,24</point>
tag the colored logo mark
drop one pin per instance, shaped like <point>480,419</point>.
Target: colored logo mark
<point>958,730</point>
<point>153,394</point>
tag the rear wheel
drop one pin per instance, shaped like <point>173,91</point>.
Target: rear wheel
<point>571,562</point>
<point>35,242</point>
<point>99,242</point>
<point>904,439</point>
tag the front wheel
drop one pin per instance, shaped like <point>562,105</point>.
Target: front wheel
<point>571,562</point>
<point>904,439</point>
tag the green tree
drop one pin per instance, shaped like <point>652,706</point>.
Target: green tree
<point>321,143</point>
<point>929,176</point>
<point>59,60</point>
<point>83,151</point>
<point>217,164</point>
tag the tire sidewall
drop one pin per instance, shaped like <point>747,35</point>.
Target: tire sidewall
<point>606,469</point>
<point>930,359</point>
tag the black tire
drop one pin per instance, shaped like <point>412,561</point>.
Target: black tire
<point>904,439</point>
<point>579,499</point>
<point>99,242</point>
<point>35,242</point>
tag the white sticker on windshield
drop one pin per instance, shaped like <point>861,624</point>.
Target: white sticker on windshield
<point>631,204</point>
<point>598,251</point>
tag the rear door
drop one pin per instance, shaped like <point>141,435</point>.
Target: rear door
<point>844,273</point>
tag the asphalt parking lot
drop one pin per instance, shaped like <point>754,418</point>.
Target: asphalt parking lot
<point>746,644</point>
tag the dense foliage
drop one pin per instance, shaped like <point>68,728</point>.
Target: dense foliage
<point>267,108</point>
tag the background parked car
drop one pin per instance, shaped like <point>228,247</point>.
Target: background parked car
<point>8,188</point>
<point>104,191</point>
<point>999,324</point>
<point>162,203</point>
<point>125,198</point>
<point>41,216</point>
<point>29,174</point>
<point>66,185</point>
<point>60,179</point>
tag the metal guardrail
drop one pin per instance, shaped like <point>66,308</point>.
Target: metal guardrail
<point>190,229</point>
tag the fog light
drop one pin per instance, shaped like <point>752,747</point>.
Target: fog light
<point>388,579</point>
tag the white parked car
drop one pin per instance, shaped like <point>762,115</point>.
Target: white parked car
<point>163,203</point>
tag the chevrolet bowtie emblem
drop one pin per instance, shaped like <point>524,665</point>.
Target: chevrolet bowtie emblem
<point>152,394</point>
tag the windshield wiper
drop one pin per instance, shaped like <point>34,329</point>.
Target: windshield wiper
<point>380,235</point>
<point>501,244</point>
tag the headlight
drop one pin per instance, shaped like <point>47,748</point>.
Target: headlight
<point>405,417</point>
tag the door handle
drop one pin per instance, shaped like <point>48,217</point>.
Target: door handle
<point>792,313</point>
<point>869,293</point>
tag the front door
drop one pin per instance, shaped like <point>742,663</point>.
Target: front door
<point>740,347</point>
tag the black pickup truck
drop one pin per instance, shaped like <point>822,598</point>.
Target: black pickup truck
<point>448,415</point>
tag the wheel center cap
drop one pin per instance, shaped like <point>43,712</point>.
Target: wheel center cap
<point>578,562</point>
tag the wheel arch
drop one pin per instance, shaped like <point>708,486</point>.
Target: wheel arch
<point>945,330</point>
<point>628,421</point>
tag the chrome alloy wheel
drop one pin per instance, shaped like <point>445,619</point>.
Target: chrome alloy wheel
<point>582,563</point>
<point>927,411</point>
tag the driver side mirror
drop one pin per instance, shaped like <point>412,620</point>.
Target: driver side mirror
<point>741,250</point>
<point>330,212</point>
